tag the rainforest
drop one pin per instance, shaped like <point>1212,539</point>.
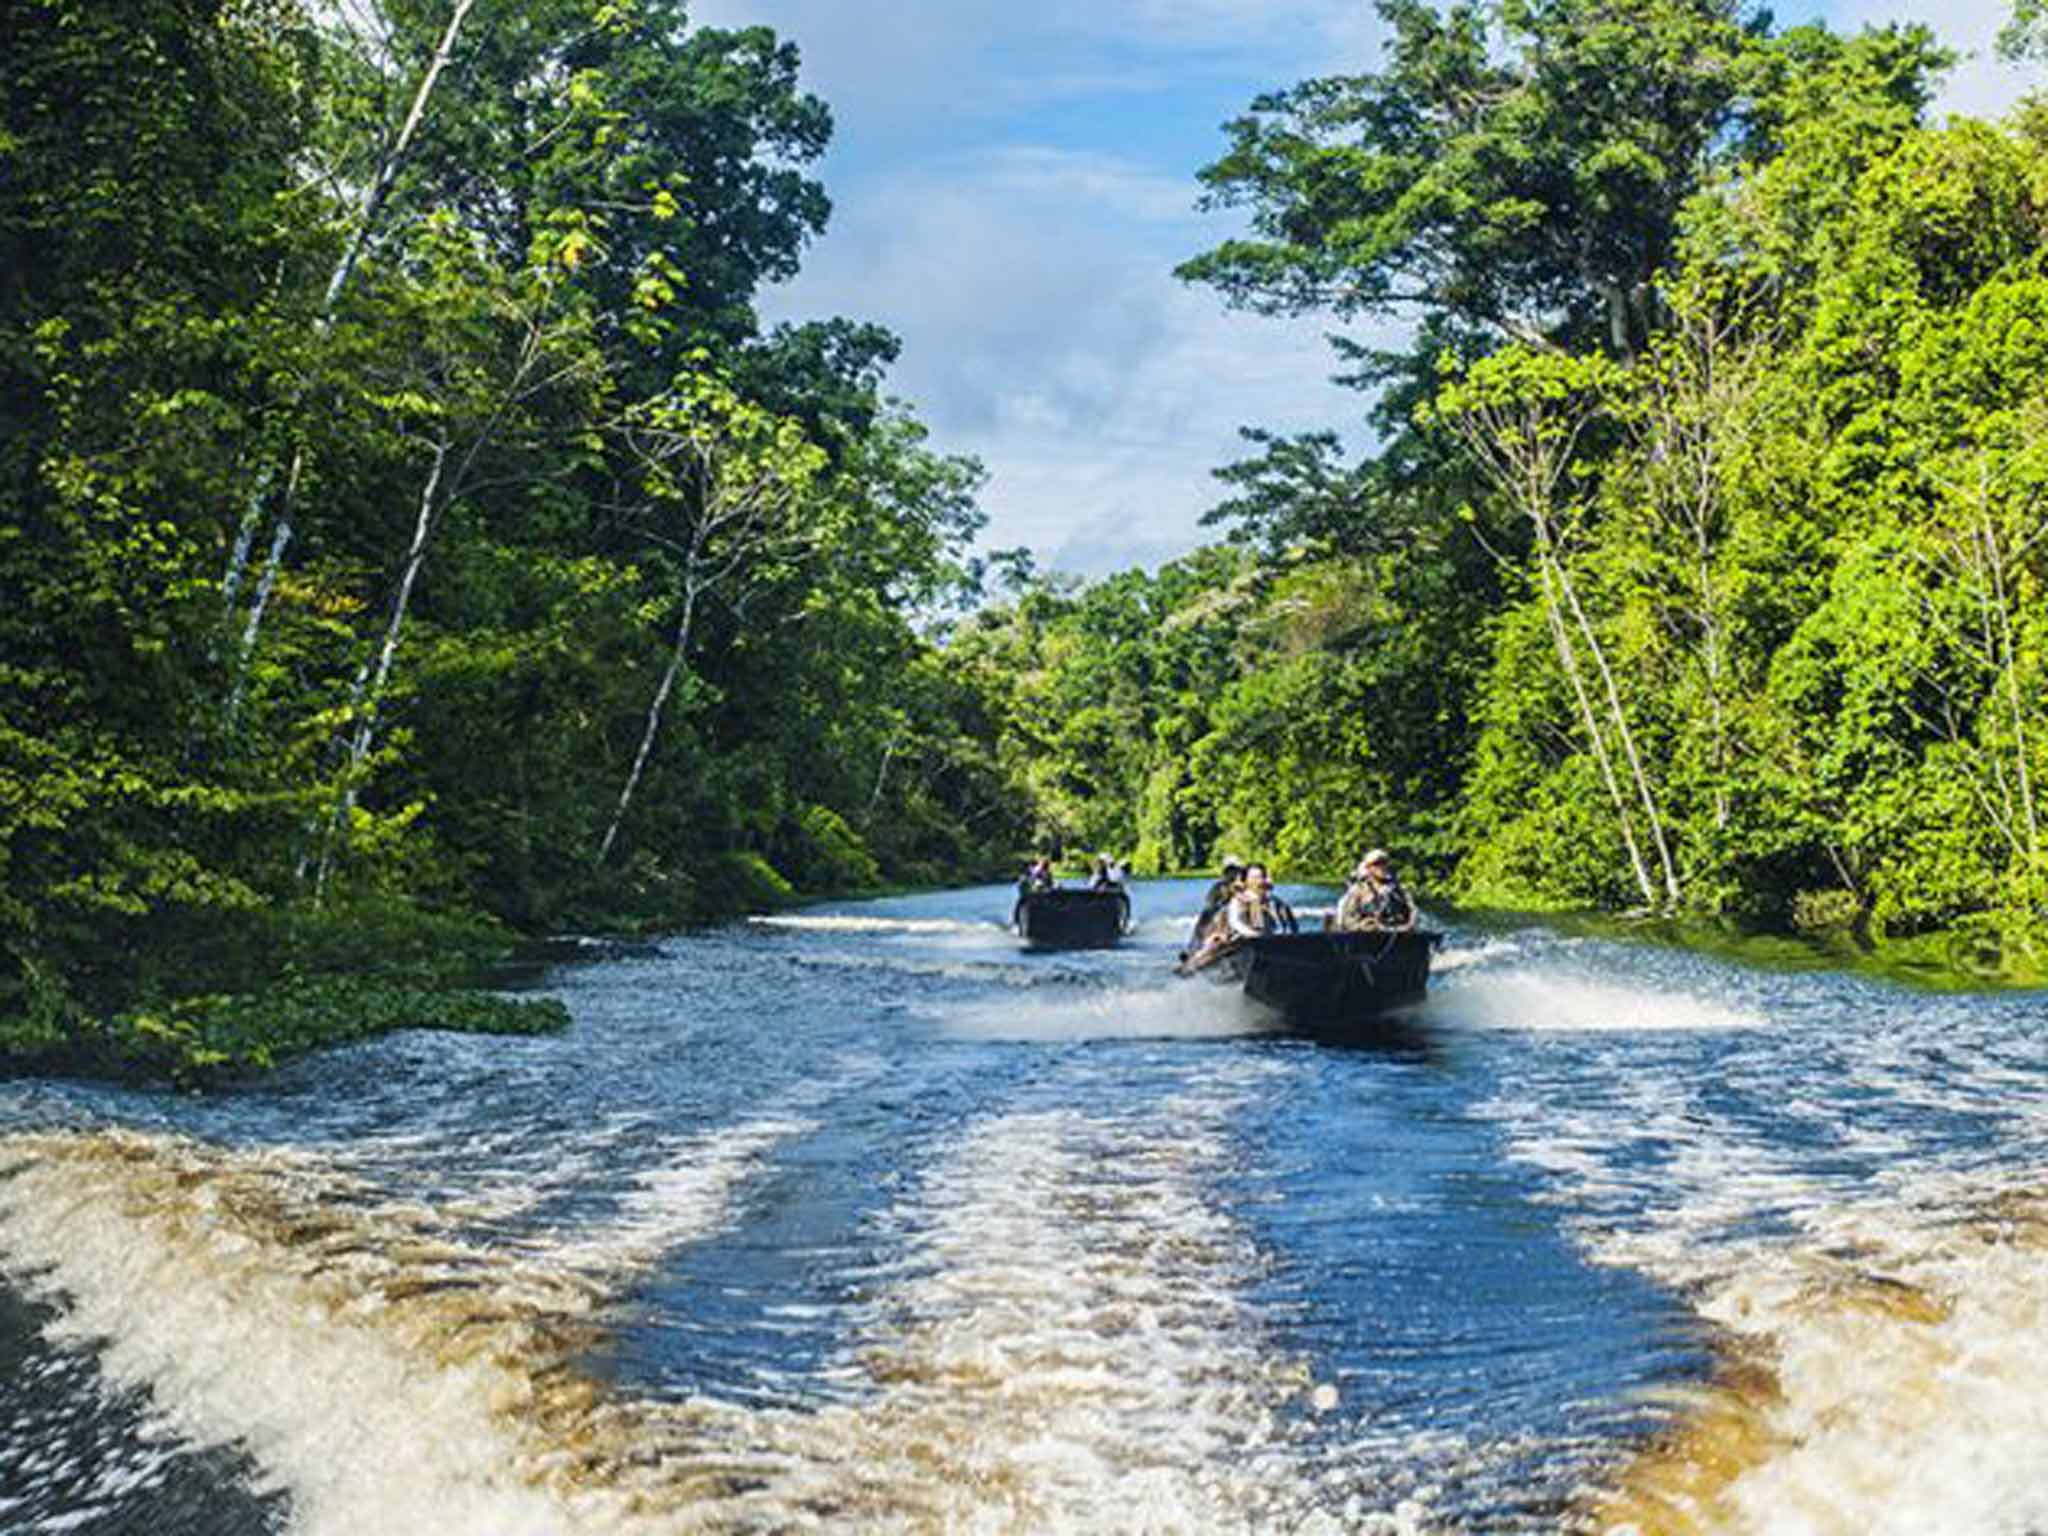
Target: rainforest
<point>413,539</point>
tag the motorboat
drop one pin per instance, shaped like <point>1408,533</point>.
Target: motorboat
<point>1335,986</point>
<point>1095,918</point>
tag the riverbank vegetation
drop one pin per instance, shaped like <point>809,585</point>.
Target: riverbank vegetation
<point>412,535</point>
<point>414,538</point>
<point>1700,565</point>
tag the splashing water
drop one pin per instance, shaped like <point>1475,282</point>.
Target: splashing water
<point>863,1219</point>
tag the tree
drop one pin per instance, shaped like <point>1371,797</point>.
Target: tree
<point>365,221</point>
<point>1523,416</point>
<point>1518,168</point>
<point>719,489</point>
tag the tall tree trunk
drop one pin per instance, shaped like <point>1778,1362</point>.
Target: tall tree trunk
<point>368,690</point>
<point>394,160</point>
<point>654,709</point>
<point>245,539</point>
<point>1589,717</point>
<point>2009,665</point>
<point>337,286</point>
<point>1713,661</point>
<point>1627,737</point>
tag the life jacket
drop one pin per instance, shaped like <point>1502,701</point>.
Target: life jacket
<point>1381,904</point>
<point>1392,906</point>
<point>1263,913</point>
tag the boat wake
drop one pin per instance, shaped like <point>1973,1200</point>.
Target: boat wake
<point>1883,1380</point>
<point>1011,973</point>
<point>802,922</point>
<point>1059,1341</point>
<point>1174,1011</point>
<point>1876,1295</point>
<point>1556,1002</point>
<point>1490,952</point>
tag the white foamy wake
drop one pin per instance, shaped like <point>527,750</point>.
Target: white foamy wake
<point>388,1374</point>
<point>1067,1347</point>
<point>1536,1001</point>
<point>1003,972</point>
<point>1174,925</point>
<point>691,1193</point>
<point>1464,957</point>
<point>1880,1333</point>
<point>1892,1385</point>
<point>1191,1009</point>
<point>851,923</point>
<point>1062,1343</point>
<point>159,1256</point>
<point>510,1175</point>
<point>1060,1340</point>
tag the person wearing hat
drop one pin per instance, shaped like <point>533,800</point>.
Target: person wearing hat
<point>1375,901</point>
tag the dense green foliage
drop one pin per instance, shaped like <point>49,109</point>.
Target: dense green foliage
<point>204,1039</point>
<point>405,512</point>
<point>412,536</point>
<point>1702,564</point>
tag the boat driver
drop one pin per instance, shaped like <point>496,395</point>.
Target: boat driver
<point>1375,901</point>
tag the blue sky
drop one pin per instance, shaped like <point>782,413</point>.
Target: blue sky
<point>1014,185</point>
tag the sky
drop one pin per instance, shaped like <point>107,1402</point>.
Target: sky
<point>1013,186</point>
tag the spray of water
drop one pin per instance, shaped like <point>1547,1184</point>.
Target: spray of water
<point>857,923</point>
<point>1558,1002</point>
<point>1884,1384</point>
<point>1182,1010</point>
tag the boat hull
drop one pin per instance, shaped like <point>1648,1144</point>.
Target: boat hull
<point>1336,986</point>
<point>1072,919</point>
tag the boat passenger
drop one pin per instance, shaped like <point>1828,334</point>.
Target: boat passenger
<point>1106,877</point>
<point>1375,901</point>
<point>1217,899</point>
<point>1038,875</point>
<point>1255,911</point>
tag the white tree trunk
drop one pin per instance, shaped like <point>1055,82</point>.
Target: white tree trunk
<point>368,689</point>
<point>337,286</point>
<point>1628,740</point>
<point>677,652</point>
<point>2009,663</point>
<point>394,161</point>
<point>1589,717</point>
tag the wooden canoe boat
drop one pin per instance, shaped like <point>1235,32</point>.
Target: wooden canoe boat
<point>1078,919</point>
<point>1337,986</point>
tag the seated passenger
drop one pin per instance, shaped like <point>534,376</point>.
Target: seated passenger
<point>1256,912</point>
<point>1375,901</point>
<point>1038,875</point>
<point>1105,878</point>
<point>1218,898</point>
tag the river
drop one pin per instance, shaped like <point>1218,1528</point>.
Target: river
<point>860,1219</point>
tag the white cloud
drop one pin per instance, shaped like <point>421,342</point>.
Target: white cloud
<point>995,210</point>
<point>1044,333</point>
